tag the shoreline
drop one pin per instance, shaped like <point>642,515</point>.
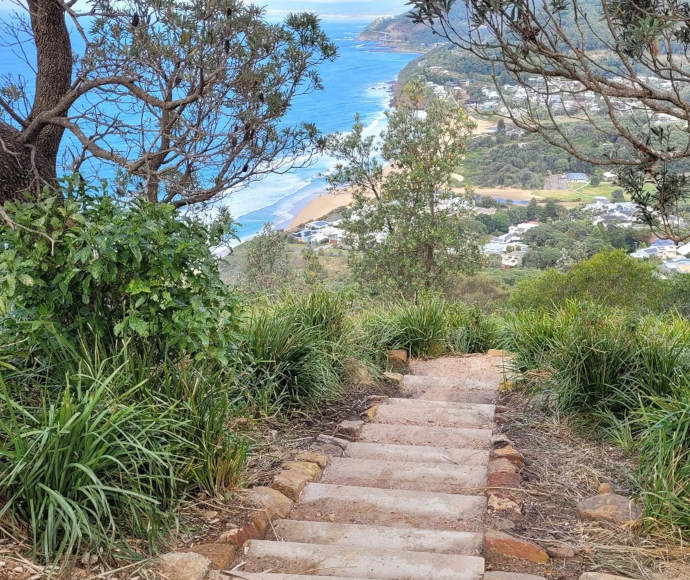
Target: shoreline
<point>317,207</point>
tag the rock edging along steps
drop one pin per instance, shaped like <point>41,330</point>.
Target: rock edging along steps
<point>405,498</point>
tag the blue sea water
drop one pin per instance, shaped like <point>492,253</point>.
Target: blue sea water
<point>358,81</point>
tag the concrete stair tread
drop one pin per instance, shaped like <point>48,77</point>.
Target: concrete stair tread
<point>273,576</point>
<point>490,384</point>
<point>434,436</point>
<point>434,413</point>
<point>416,453</point>
<point>447,478</point>
<point>390,507</point>
<point>383,537</point>
<point>358,562</point>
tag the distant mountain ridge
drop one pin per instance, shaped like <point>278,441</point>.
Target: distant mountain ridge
<point>401,32</point>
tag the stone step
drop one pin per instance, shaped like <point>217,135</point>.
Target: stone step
<point>454,382</point>
<point>395,508</point>
<point>358,562</point>
<point>383,537</point>
<point>434,413</point>
<point>449,389</point>
<point>272,576</point>
<point>511,576</point>
<point>430,436</point>
<point>417,453</point>
<point>447,478</point>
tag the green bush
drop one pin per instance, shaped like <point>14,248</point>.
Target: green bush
<point>136,272</point>
<point>609,278</point>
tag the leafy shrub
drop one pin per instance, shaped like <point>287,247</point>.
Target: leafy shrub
<point>139,272</point>
<point>610,278</point>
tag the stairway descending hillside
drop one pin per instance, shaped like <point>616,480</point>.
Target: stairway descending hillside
<point>406,500</point>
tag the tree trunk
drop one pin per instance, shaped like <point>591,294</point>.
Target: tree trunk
<point>28,160</point>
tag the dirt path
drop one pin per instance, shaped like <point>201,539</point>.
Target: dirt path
<point>406,497</point>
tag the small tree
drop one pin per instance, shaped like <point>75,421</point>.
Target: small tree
<point>313,270</point>
<point>406,227</point>
<point>266,265</point>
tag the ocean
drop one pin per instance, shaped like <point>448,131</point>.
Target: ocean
<point>358,81</point>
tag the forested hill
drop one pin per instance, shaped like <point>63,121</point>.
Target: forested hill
<point>400,31</point>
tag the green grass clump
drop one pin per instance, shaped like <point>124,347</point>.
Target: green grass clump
<point>664,472</point>
<point>429,327</point>
<point>294,353</point>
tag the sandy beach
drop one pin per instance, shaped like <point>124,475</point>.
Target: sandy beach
<point>322,204</point>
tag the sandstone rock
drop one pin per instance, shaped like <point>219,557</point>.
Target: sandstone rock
<point>511,576</point>
<point>290,483</point>
<point>260,521</point>
<point>396,378</point>
<point>370,413</point>
<point>609,507</point>
<point>605,488</point>
<point>600,576</point>
<point>313,457</point>
<point>398,356</point>
<point>503,479</point>
<point>561,552</point>
<point>510,453</point>
<point>271,500</point>
<point>239,536</point>
<point>499,545</point>
<point>501,465</point>
<point>330,440</point>
<point>220,554</point>
<point>500,440</point>
<point>185,566</point>
<point>504,506</point>
<point>311,470</point>
<point>350,429</point>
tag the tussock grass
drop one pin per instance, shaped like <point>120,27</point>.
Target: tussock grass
<point>626,375</point>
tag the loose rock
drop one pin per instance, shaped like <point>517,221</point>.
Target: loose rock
<point>271,500</point>
<point>370,413</point>
<point>510,453</point>
<point>185,566</point>
<point>498,545</point>
<point>220,554</point>
<point>504,506</point>
<point>561,552</point>
<point>398,356</point>
<point>290,483</point>
<point>396,378</point>
<point>609,507</point>
<point>605,488</point>
<point>350,429</point>
<point>313,457</point>
<point>311,470</point>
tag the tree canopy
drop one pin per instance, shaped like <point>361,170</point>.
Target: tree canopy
<point>185,100</point>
